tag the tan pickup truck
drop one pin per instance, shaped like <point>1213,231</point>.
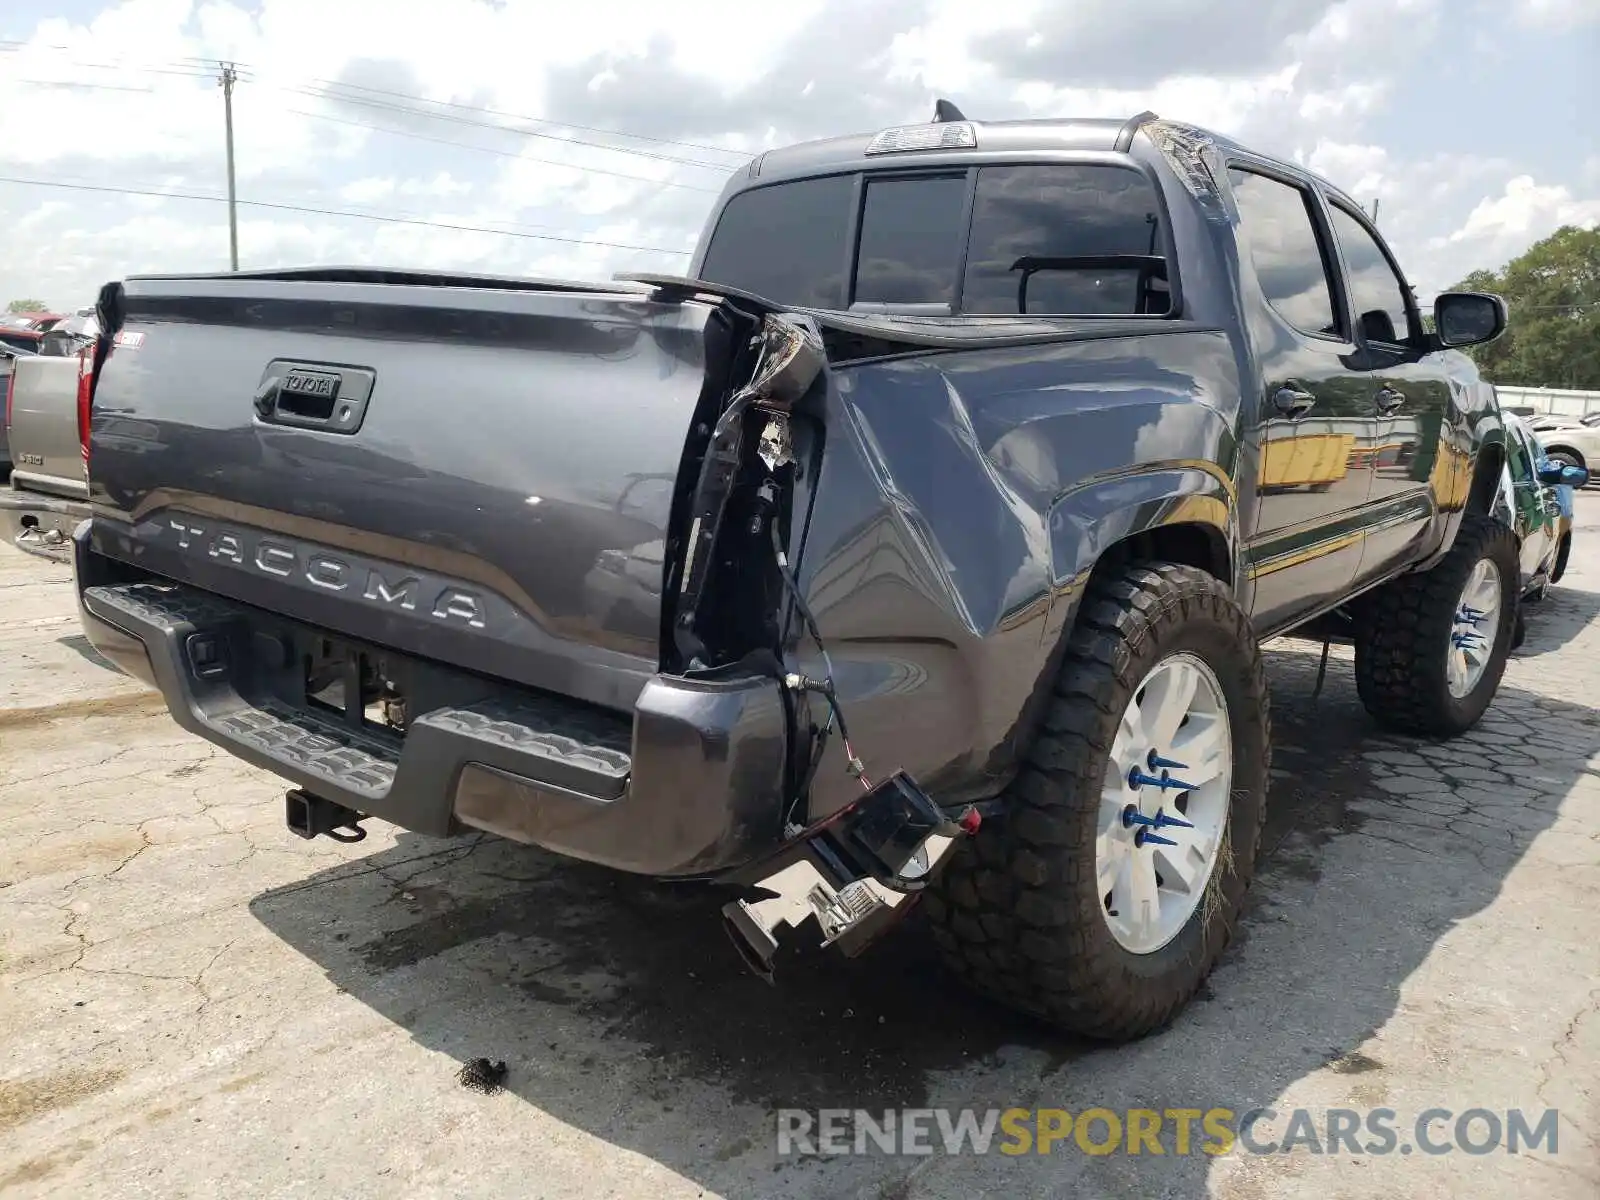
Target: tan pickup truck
<point>48,493</point>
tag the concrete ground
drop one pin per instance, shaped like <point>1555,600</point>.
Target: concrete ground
<point>196,1003</point>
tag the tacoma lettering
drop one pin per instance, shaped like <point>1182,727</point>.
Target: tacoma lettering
<point>282,560</point>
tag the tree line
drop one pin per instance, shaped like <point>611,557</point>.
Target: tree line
<point>1553,292</point>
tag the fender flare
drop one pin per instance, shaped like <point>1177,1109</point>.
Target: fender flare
<point>1091,521</point>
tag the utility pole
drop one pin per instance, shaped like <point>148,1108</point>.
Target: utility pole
<point>1375,210</point>
<point>227,80</point>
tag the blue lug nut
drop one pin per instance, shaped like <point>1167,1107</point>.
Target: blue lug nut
<point>1157,763</point>
<point>1138,779</point>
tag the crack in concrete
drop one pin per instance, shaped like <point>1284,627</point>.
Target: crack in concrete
<point>1558,1053</point>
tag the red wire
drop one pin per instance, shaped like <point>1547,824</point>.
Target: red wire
<point>850,754</point>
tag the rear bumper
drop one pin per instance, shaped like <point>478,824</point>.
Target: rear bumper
<point>693,789</point>
<point>39,524</point>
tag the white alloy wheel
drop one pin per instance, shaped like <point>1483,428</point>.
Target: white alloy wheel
<point>1472,635</point>
<point>1164,803</point>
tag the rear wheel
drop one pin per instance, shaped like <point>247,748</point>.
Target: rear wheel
<point>1103,895</point>
<point>1431,648</point>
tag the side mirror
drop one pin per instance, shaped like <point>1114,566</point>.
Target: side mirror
<point>1468,318</point>
<point>1559,474</point>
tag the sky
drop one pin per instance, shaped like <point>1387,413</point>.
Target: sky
<point>575,140</point>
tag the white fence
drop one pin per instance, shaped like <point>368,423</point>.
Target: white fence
<point>1559,401</point>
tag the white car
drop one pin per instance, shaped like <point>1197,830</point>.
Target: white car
<point>1569,440</point>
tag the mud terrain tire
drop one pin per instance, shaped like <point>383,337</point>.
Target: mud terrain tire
<point>1018,914</point>
<point>1404,629</point>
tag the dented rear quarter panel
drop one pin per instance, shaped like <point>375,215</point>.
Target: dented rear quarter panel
<point>963,499</point>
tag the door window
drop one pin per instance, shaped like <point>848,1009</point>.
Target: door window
<point>1377,293</point>
<point>1276,225</point>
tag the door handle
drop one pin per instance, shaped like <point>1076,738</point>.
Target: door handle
<point>1293,402</point>
<point>1389,400</point>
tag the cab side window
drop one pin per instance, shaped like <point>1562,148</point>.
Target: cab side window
<point>1377,293</point>
<point>1520,456</point>
<point>1277,227</point>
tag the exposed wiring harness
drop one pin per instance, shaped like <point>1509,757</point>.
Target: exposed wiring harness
<point>823,687</point>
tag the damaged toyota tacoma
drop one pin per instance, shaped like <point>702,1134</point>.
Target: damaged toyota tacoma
<point>916,545</point>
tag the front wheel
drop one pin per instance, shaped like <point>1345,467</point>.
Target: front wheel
<point>1431,647</point>
<point>1563,551</point>
<point>1105,892</point>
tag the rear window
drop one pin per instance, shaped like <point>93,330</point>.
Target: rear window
<point>1065,239</point>
<point>1054,239</point>
<point>787,243</point>
<point>910,240</point>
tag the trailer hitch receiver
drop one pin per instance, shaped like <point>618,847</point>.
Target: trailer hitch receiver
<point>310,816</point>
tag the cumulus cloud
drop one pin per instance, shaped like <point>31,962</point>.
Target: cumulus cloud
<point>511,126</point>
<point>1500,227</point>
<point>1558,14</point>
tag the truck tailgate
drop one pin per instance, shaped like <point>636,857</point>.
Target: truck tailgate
<point>43,427</point>
<point>481,475</point>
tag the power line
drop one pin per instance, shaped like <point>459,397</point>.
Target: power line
<point>642,137</point>
<point>410,111</point>
<point>179,190</point>
<point>334,90</point>
<point>406,133</point>
<point>423,137</point>
<point>334,212</point>
<point>84,87</point>
<point>196,69</point>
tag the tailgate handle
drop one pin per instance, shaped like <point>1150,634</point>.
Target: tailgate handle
<point>322,396</point>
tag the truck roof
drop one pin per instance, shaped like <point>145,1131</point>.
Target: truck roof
<point>1046,135</point>
<point>1052,134</point>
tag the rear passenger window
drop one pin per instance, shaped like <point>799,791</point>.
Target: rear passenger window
<point>910,240</point>
<point>1046,239</point>
<point>787,243</point>
<point>1065,240</point>
<point>1521,457</point>
<point>1276,227</point>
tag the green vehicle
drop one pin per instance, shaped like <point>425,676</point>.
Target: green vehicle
<point>1537,496</point>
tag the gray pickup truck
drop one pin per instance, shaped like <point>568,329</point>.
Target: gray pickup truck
<point>918,544</point>
<point>44,434</point>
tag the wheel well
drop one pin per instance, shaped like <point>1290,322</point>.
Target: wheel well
<point>1192,544</point>
<point>1486,479</point>
<point>1560,448</point>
